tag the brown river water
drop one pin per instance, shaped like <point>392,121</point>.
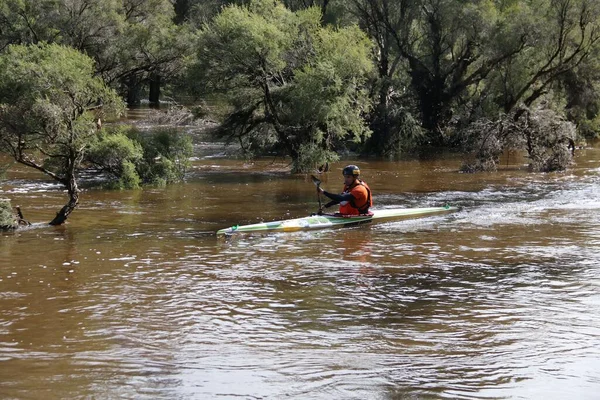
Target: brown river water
<point>136,298</point>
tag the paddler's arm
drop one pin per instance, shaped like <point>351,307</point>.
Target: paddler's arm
<point>331,203</point>
<point>336,198</point>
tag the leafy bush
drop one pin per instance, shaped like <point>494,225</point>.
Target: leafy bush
<point>166,153</point>
<point>131,157</point>
<point>116,154</point>
<point>398,132</point>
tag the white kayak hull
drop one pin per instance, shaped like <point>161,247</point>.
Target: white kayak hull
<point>332,220</point>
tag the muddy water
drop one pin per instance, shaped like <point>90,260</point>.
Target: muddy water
<point>136,297</point>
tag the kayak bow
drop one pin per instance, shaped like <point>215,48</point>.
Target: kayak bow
<point>332,220</point>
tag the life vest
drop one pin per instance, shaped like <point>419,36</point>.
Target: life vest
<point>362,199</point>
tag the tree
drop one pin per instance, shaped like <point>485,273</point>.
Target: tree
<point>49,97</point>
<point>394,127</point>
<point>561,36</point>
<point>151,50</point>
<point>294,86</point>
<point>532,89</point>
<point>446,48</point>
<point>199,12</point>
<point>544,134</point>
<point>582,91</point>
<point>134,43</point>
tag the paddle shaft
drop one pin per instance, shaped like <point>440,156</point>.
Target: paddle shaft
<point>319,197</point>
<point>317,183</point>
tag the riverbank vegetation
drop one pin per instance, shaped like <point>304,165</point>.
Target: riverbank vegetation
<point>312,80</point>
<point>50,111</point>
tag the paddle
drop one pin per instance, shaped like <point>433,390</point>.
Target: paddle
<point>317,183</point>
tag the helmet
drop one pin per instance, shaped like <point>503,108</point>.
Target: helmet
<point>351,170</point>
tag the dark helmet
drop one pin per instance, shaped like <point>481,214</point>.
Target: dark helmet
<point>351,170</point>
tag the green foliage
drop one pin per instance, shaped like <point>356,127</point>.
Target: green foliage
<point>558,38</point>
<point>47,93</point>
<point>199,12</point>
<point>48,96</point>
<point>589,128</point>
<point>582,94</point>
<point>129,177</point>
<point>292,84</point>
<point>429,54</point>
<point>166,154</point>
<point>454,61</point>
<point>131,41</point>
<point>403,133</point>
<point>150,47</point>
<point>131,158</point>
<point>292,75</point>
<point>116,154</point>
<point>309,155</point>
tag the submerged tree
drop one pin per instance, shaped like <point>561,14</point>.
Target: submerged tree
<point>546,137</point>
<point>293,86</point>
<point>49,98</point>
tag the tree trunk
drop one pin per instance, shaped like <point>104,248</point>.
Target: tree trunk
<point>133,91</point>
<point>380,124</point>
<point>154,96</point>
<point>68,208</point>
<point>182,8</point>
<point>433,111</point>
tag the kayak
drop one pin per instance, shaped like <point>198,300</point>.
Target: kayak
<point>332,220</point>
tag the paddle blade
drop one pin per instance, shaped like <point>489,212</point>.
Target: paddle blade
<point>315,180</point>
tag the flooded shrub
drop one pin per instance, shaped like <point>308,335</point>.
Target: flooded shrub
<point>487,140</point>
<point>166,154</point>
<point>116,154</point>
<point>547,137</point>
<point>128,178</point>
<point>8,221</point>
<point>589,129</point>
<point>130,157</point>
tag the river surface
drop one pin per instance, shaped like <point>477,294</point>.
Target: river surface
<point>136,298</point>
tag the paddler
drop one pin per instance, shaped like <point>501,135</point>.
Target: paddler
<point>355,198</point>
